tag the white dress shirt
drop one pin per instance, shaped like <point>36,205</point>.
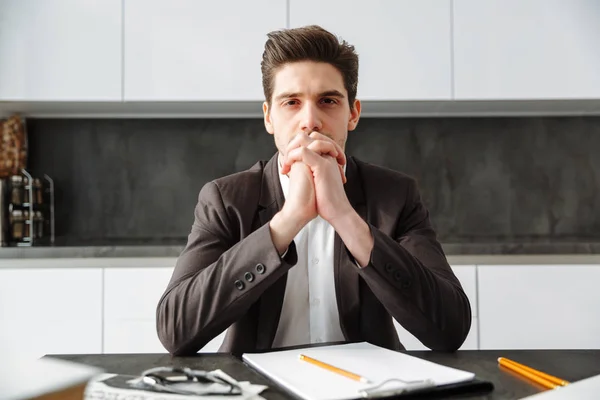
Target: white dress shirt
<point>310,312</point>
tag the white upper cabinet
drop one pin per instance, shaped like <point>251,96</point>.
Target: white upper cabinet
<point>535,49</point>
<point>188,50</point>
<point>60,50</point>
<point>403,45</point>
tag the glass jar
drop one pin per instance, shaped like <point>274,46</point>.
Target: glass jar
<point>17,225</point>
<point>38,225</point>
<point>38,191</point>
<point>26,224</point>
<point>17,189</point>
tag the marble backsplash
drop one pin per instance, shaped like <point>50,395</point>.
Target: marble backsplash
<point>484,180</point>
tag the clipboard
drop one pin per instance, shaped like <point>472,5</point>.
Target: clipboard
<point>412,377</point>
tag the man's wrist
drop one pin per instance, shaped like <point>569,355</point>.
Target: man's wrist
<point>284,227</point>
<point>356,235</point>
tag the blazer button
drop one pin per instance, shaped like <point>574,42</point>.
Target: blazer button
<point>239,284</point>
<point>249,276</point>
<point>405,283</point>
<point>397,275</point>
<point>260,268</point>
<point>389,267</point>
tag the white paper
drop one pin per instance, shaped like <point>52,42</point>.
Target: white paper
<point>377,364</point>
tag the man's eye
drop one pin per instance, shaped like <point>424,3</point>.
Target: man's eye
<point>290,103</point>
<point>328,100</point>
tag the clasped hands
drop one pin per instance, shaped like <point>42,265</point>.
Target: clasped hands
<point>314,165</point>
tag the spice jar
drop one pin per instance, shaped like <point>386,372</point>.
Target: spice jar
<point>17,225</point>
<point>26,224</point>
<point>38,191</point>
<point>17,189</point>
<point>38,225</point>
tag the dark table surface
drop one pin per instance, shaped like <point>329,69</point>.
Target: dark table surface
<point>571,365</point>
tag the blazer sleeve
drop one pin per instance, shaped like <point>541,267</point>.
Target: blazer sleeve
<point>411,277</point>
<point>217,277</point>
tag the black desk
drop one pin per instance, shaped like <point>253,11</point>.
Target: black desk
<point>572,365</point>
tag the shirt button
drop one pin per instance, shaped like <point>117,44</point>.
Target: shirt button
<point>315,261</point>
<point>316,302</point>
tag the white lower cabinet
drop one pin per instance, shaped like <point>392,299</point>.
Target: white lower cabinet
<point>539,306</point>
<point>130,299</point>
<point>50,310</point>
<point>109,305</point>
<point>131,295</point>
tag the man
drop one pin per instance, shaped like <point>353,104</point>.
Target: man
<point>311,246</point>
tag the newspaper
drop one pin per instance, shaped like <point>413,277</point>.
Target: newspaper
<point>123,387</point>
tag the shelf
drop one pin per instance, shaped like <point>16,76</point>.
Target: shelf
<point>253,109</point>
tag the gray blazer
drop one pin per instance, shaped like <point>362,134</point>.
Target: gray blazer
<point>230,275</point>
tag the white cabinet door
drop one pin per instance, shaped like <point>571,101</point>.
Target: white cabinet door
<point>403,45</point>
<point>535,49</point>
<point>60,50</point>
<point>51,310</point>
<point>188,50</point>
<point>130,299</point>
<point>467,275</point>
<point>539,307</point>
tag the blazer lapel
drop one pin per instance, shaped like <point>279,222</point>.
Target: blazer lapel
<point>345,269</point>
<point>271,302</point>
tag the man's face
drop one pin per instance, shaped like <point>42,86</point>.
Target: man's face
<point>309,96</point>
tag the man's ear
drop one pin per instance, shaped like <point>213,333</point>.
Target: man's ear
<point>354,115</point>
<point>267,117</point>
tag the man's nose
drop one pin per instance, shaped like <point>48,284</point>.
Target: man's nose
<point>311,120</point>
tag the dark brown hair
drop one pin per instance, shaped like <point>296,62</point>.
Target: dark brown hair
<point>308,43</point>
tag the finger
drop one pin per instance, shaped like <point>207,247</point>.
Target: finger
<point>327,149</point>
<point>292,156</point>
<point>323,148</point>
<point>344,180</point>
<point>341,168</point>
<point>341,157</point>
<point>319,147</point>
<point>301,139</point>
<point>312,159</point>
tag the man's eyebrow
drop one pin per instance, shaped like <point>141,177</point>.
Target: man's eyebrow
<point>327,93</point>
<point>287,95</point>
<point>331,93</point>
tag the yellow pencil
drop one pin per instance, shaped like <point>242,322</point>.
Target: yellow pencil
<point>548,381</point>
<point>331,368</point>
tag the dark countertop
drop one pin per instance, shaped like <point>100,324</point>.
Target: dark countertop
<point>571,365</point>
<point>172,248</point>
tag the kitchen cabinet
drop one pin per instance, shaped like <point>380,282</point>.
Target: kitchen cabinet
<point>539,306</point>
<point>187,50</point>
<point>130,299</point>
<point>403,45</point>
<point>467,275</point>
<point>60,50</point>
<point>51,310</point>
<point>536,49</point>
<point>131,295</point>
